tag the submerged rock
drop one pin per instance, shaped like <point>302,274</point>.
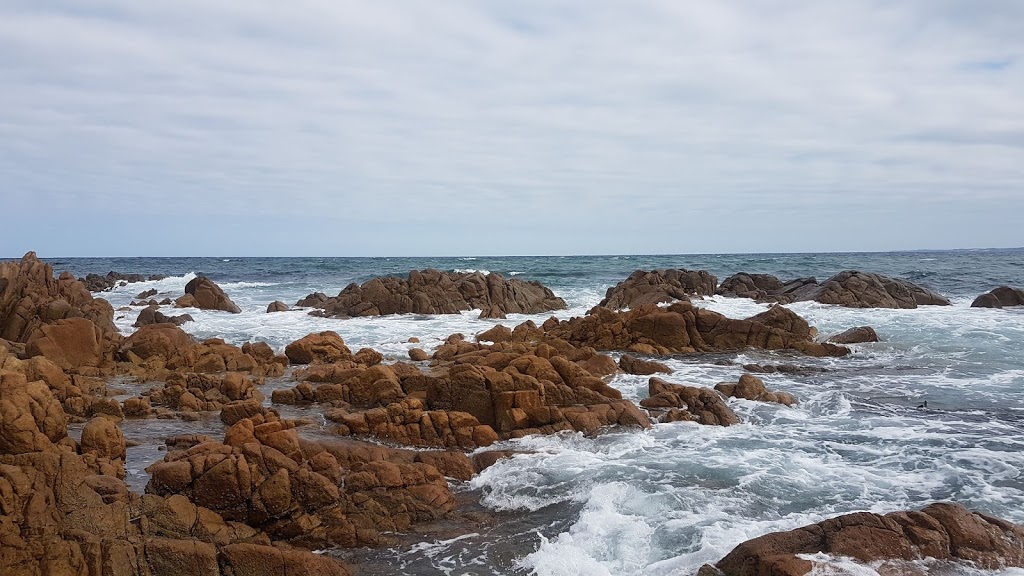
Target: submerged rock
<point>98,283</point>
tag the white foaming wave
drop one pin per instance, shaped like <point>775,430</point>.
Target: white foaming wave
<point>515,273</point>
<point>607,539</point>
<point>471,271</point>
<point>230,285</point>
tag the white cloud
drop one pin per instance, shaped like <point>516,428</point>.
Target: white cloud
<point>599,127</point>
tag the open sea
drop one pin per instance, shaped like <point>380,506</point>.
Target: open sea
<point>667,500</point>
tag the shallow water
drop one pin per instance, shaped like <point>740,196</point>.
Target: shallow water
<point>666,500</point>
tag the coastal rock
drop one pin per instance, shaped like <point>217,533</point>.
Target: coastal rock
<point>300,491</point>
<point>102,437</point>
<point>850,288</point>
<point>418,355</point>
<point>858,335</point>
<point>152,315</point>
<point>147,293</point>
<point>31,419</point>
<point>69,343</point>
<point>433,292</point>
<point>156,350</point>
<point>682,328</point>
<point>277,306</point>
<point>30,297</point>
<point>209,296</point>
<point>944,531</point>
<point>1000,297</point>
<point>670,402</point>
<point>658,286</point>
<point>323,348</point>
<point>754,286</point>
<point>751,387</point>
<point>98,283</point>
<point>634,365</point>
<point>854,289</point>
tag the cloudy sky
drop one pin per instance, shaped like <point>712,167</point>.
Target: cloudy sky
<point>324,127</point>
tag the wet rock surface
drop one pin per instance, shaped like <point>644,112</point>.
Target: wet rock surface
<point>944,531</point>
<point>1000,297</point>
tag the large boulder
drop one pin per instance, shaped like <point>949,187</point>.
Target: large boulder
<point>670,402</point>
<point>31,419</point>
<point>855,289</point>
<point>850,288</point>
<point>208,296</point>
<point>152,315</point>
<point>659,286</point>
<point>69,343</point>
<point>944,531</point>
<point>751,387</point>
<point>858,335</point>
<point>682,328</point>
<point>324,348</point>
<point>1000,297</point>
<point>433,292</point>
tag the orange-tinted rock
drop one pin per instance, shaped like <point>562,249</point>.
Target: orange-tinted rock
<point>704,405</point>
<point>658,286</point>
<point>944,531</point>
<point>751,387</point>
<point>324,347</point>
<point>209,296</point>
<point>634,365</point>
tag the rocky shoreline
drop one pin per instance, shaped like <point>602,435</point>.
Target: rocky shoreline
<point>261,497</point>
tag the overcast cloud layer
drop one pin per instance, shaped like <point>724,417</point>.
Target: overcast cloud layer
<point>449,128</point>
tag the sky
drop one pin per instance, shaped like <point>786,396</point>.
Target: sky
<point>411,128</point>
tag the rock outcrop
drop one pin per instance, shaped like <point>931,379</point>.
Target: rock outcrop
<point>98,283</point>
<point>850,288</point>
<point>65,510</point>
<point>434,292</point>
<point>54,312</point>
<point>751,387</point>
<point>659,286</point>
<point>858,335</point>
<point>156,350</point>
<point>302,492</point>
<point>203,293</point>
<point>277,306</point>
<point>152,315</point>
<point>670,402</point>
<point>683,328</point>
<point>1000,297</point>
<point>634,365</point>
<point>944,531</point>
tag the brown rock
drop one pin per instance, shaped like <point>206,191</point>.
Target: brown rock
<point>634,365</point>
<point>856,335</point>
<point>70,343</point>
<point>704,405</point>
<point>751,387</point>
<point>101,436</point>
<point>659,286</point>
<point>999,298</point>
<point>418,355</point>
<point>944,531</point>
<point>277,306</point>
<point>209,296</point>
<point>434,292</point>
<point>152,315</point>
<point>324,347</point>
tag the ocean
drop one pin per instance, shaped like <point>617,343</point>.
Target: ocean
<point>667,500</point>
